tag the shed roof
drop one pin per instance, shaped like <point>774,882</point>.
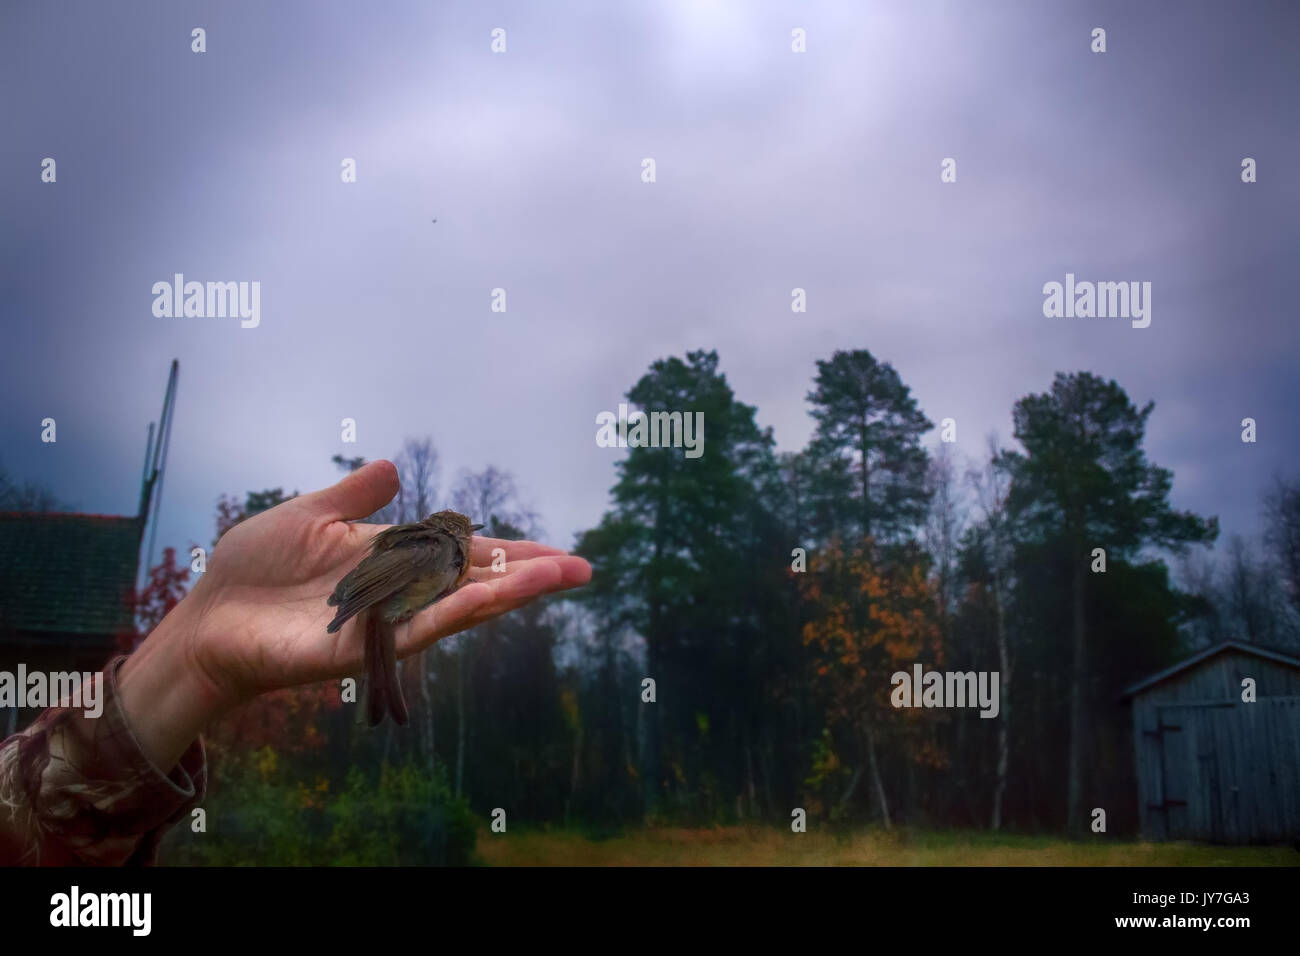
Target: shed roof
<point>1280,657</point>
<point>67,573</point>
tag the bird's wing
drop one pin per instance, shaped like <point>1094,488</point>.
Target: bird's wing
<point>399,535</point>
<point>381,575</point>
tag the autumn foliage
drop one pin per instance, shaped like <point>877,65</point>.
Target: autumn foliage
<point>868,618</point>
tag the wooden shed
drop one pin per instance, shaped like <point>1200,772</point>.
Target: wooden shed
<point>1211,766</point>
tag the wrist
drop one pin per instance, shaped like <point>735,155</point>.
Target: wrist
<point>163,691</point>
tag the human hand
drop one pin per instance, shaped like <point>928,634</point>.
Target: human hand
<point>256,619</point>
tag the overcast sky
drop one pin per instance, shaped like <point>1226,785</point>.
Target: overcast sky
<point>775,170</point>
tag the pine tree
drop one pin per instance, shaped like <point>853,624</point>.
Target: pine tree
<point>866,453</point>
<point>1084,482</point>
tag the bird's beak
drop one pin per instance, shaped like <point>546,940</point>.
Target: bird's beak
<point>476,527</point>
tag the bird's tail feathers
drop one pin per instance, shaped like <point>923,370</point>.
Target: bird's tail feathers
<point>383,688</point>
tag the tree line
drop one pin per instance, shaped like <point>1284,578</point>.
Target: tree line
<point>1045,562</point>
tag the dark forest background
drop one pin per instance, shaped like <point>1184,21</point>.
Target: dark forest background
<point>769,597</point>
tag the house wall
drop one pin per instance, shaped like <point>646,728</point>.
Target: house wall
<point>1234,766</point>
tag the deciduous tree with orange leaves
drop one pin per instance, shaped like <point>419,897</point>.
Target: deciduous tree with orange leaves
<point>870,617</point>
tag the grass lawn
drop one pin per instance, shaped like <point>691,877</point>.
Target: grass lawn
<point>763,846</point>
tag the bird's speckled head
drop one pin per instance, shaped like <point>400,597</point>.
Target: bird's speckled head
<point>452,522</point>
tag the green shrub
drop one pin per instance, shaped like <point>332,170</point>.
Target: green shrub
<point>403,816</point>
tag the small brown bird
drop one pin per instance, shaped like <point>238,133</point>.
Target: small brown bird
<point>409,567</point>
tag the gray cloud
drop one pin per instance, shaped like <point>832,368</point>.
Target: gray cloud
<point>774,171</point>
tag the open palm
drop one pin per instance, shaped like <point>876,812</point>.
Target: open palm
<point>262,602</point>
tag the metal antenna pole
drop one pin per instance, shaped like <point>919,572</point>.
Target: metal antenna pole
<point>160,453</point>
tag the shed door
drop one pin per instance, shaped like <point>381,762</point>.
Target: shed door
<point>1231,770</point>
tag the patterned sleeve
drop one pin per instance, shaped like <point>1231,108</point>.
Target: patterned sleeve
<point>78,791</point>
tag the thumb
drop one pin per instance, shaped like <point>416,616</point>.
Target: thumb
<point>356,495</point>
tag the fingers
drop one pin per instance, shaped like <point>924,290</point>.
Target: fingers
<point>494,596</point>
<point>539,576</point>
<point>358,494</point>
<point>481,553</point>
<point>494,571</point>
